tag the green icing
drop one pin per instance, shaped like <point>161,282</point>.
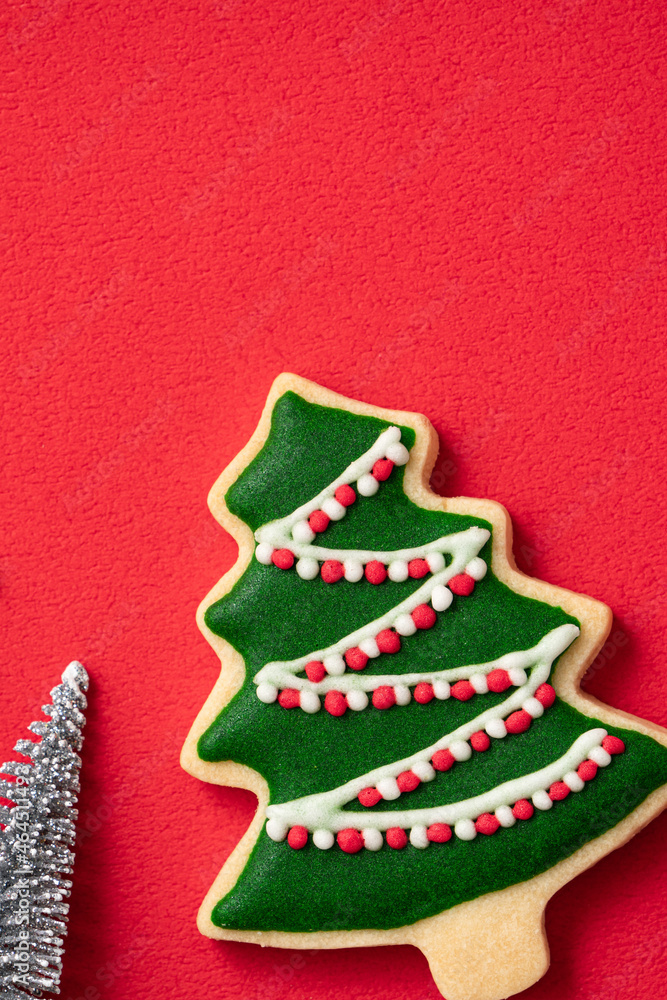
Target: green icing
<point>274,615</point>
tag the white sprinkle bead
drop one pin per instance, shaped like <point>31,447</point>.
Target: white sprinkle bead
<point>534,708</point>
<point>263,553</point>
<point>333,509</point>
<point>573,781</point>
<point>309,702</point>
<point>505,816</point>
<point>476,568</point>
<point>267,693</point>
<point>465,829</point>
<point>353,570</point>
<point>367,485</point>
<point>541,800</point>
<point>307,568</point>
<point>460,750</point>
<point>398,570</point>
<point>423,770</point>
<point>442,690</point>
<point>496,728</point>
<point>441,597</point>
<point>402,693</point>
<point>388,788</point>
<point>357,700</point>
<point>418,837</point>
<point>369,647</point>
<point>372,839</point>
<point>334,664</point>
<point>398,453</point>
<point>479,683</point>
<point>517,676</point>
<point>600,756</point>
<point>404,625</point>
<point>302,532</point>
<point>436,562</point>
<point>324,839</point>
<point>276,829</point>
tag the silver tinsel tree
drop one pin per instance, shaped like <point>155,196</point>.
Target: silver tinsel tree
<point>35,846</point>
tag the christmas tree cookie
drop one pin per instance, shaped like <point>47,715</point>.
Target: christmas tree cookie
<point>405,705</point>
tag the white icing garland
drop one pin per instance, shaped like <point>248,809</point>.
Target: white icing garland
<point>323,810</point>
<point>277,533</point>
<point>529,786</point>
<point>295,534</point>
<point>462,546</point>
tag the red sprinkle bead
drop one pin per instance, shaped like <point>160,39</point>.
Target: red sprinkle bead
<point>498,680</point>
<point>375,572</point>
<point>417,568</point>
<point>356,659</point>
<point>424,693</point>
<point>546,695</point>
<point>424,616</point>
<point>439,833</point>
<point>315,671</point>
<point>334,703</point>
<point>282,558</point>
<point>388,641</point>
<point>480,741</point>
<point>559,790</point>
<point>523,809</point>
<point>319,521</point>
<point>297,837</point>
<point>442,760</point>
<point>332,571</point>
<point>518,722</point>
<point>345,495</point>
<point>369,797</point>
<point>487,823</point>
<point>462,691</point>
<point>612,744</point>
<point>382,469</point>
<point>350,841</point>
<point>384,697</point>
<point>462,584</point>
<point>289,698</point>
<point>587,770</point>
<point>407,781</point>
<point>396,838</point>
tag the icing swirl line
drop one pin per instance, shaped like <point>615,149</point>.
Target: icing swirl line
<point>463,547</point>
<point>324,808</point>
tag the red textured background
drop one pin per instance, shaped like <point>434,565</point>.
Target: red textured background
<point>457,208</point>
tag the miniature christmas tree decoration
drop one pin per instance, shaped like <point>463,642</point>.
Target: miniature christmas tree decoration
<point>36,843</point>
<point>405,705</point>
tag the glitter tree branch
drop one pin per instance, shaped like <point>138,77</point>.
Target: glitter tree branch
<point>36,843</point>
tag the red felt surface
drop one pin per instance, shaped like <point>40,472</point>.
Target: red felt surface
<point>458,208</point>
